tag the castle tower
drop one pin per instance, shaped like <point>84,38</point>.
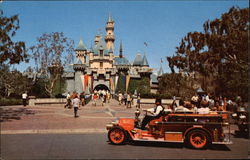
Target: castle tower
<point>97,39</point>
<point>110,37</point>
<point>81,52</point>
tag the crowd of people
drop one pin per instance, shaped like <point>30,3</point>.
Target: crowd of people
<point>103,95</point>
<point>205,103</point>
<point>76,101</point>
<point>128,99</point>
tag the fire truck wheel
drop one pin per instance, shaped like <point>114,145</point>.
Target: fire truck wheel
<point>117,135</point>
<point>198,139</point>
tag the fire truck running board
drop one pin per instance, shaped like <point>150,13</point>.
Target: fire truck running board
<point>155,140</point>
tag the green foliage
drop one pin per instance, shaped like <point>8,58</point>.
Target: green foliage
<point>12,82</point>
<point>59,87</point>
<point>176,84</point>
<point>133,85</point>
<point>144,85</point>
<point>10,101</point>
<point>51,54</point>
<point>219,53</point>
<point>153,95</point>
<point>38,90</point>
<point>10,52</point>
<point>120,85</point>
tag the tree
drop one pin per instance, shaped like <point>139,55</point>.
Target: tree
<point>217,52</point>
<point>12,82</point>
<point>120,87</point>
<point>51,54</point>
<point>144,85</point>
<point>176,84</point>
<point>10,52</point>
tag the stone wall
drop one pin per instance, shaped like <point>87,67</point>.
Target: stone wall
<point>37,101</point>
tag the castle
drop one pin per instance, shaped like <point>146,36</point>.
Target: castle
<point>98,68</point>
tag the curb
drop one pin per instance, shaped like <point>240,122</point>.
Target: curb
<point>54,131</point>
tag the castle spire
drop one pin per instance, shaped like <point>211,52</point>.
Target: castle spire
<point>120,55</point>
<point>110,37</point>
<point>110,18</point>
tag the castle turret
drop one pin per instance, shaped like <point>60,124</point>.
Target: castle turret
<point>81,51</point>
<point>97,39</point>
<point>145,61</point>
<point>110,37</point>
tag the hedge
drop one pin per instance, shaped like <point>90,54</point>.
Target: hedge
<point>10,101</point>
<point>153,95</point>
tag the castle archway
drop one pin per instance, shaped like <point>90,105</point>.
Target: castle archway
<point>101,87</point>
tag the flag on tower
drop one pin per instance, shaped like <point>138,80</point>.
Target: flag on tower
<point>145,43</point>
<point>161,60</point>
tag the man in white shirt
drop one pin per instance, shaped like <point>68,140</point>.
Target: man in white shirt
<point>154,113</point>
<point>76,104</point>
<point>24,97</point>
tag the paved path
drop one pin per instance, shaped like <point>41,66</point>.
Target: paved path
<point>57,119</point>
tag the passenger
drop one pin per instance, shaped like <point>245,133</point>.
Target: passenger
<point>154,113</point>
<point>181,107</point>
<point>194,100</point>
<point>203,110</point>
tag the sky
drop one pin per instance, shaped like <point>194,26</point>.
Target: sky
<point>161,24</point>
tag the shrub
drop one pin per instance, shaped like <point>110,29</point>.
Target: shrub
<point>10,101</point>
<point>153,95</point>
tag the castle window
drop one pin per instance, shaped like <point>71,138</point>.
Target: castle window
<point>101,64</point>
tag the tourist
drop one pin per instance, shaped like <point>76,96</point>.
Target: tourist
<point>68,103</point>
<point>225,104</point>
<point>194,100</point>
<point>76,104</point>
<point>82,98</point>
<point>104,96</point>
<point>138,101</point>
<point>120,98</point>
<point>181,107</point>
<point>108,96</point>
<point>125,96</point>
<point>204,109</point>
<point>129,98</point>
<point>24,98</point>
<point>94,98</point>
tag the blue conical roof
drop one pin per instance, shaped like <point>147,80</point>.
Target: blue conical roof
<point>81,46</point>
<point>78,61</point>
<point>101,45</point>
<point>69,68</point>
<point>145,61</point>
<point>138,60</point>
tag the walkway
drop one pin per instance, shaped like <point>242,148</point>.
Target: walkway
<point>57,119</point>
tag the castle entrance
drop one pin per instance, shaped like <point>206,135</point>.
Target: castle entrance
<point>101,87</point>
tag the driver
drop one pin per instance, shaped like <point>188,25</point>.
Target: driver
<point>154,113</point>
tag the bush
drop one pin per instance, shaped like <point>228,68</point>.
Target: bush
<point>10,101</point>
<point>153,95</point>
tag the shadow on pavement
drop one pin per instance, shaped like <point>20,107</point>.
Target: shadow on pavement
<point>219,147</point>
<point>9,114</point>
<point>239,134</point>
<point>159,144</point>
